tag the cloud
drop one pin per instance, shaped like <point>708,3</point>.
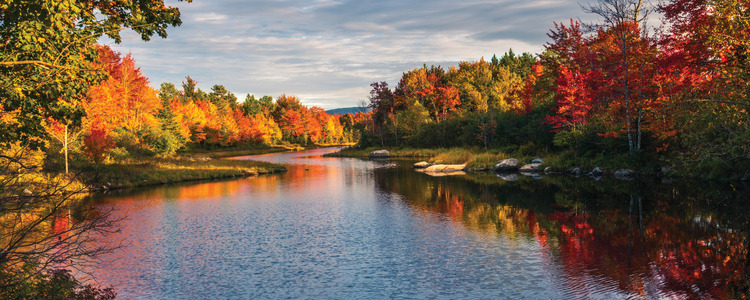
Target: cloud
<point>328,52</point>
<point>211,18</point>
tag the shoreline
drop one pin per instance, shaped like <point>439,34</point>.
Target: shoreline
<point>559,163</point>
<point>188,167</point>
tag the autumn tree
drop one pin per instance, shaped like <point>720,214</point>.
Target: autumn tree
<point>706,53</point>
<point>47,50</point>
<point>124,105</point>
<point>622,19</point>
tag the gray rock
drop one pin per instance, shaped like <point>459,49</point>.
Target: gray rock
<point>421,165</point>
<point>531,168</point>
<point>508,176</point>
<point>548,170</point>
<point>538,160</point>
<point>596,172</point>
<point>575,172</point>
<point>624,174</point>
<point>507,165</point>
<point>380,153</point>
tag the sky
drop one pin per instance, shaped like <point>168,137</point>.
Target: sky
<point>327,52</point>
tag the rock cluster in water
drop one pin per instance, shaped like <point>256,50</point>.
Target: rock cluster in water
<point>380,154</point>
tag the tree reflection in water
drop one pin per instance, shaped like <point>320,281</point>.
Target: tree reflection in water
<point>648,239</point>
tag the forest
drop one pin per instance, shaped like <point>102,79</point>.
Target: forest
<point>619,90</point>
<point>125,116</point>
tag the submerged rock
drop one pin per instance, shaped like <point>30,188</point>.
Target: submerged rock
<point>507,165</point>
<point>624,174</point>
<point>380,153</point>
<point>575,172</point>
<point>596,172</point>
<point>421,165</point>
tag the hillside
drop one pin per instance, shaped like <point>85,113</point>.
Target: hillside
<point>347,110</point>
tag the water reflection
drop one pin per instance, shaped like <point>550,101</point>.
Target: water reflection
<point>345,228</point>
<point>687,242</point>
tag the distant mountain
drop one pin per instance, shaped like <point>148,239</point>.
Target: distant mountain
<point>347,110</point>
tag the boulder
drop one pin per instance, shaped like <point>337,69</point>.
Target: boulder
<point>508,176</point>
<point>624,174</point>
<point>596,172</point>
<point>435,168</point>
<point>379,154</point>
<point>454,168</point>
<point>575,172</point>
<point>537,160</point>
<point>531,168</point>
<point>507,165</point>
<point>445,168</point>
<point>27,193</point>
<point>421,165</point>
<point>548,170</point>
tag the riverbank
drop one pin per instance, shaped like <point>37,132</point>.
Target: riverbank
<point>153,171</point>
<point>192,165</point>
<point>479,159</point>
<point>223,153</point>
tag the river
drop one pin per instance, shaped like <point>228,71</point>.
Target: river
<point>351,228</point>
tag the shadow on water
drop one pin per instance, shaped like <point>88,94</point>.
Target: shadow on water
<point>685,240</point>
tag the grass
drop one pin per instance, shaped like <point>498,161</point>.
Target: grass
<point>152,171</point>
<point>453,156</point>
<point>221,153</point>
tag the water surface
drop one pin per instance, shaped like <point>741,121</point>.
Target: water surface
<point>353,228</point>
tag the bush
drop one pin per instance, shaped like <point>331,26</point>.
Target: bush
<point>27,283</point>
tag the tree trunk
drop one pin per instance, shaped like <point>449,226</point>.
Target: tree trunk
<point>65,148</point>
